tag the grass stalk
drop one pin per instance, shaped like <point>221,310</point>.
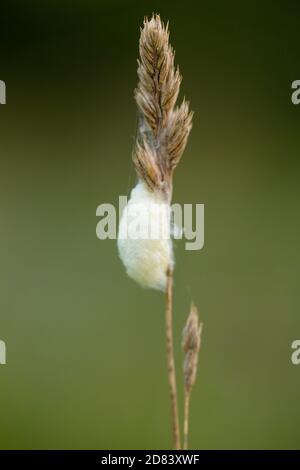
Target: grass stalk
<point>171,362</point>
<point>187,396</point>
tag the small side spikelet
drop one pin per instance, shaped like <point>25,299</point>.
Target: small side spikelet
<point>163,129</point>
<point>191,341</point>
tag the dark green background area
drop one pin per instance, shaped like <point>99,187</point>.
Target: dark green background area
<point>85,344</point>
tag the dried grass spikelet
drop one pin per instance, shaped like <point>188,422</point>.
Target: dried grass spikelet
<point>191,341</point>
<point>162,134</point>
<point>163,129</point>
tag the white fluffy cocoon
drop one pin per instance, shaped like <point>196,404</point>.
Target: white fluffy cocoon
<point>144,241</point>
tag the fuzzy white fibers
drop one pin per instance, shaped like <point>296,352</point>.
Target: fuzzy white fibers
<point>144,241</point>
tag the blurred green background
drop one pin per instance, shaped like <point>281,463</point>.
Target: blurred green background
<point>86,361</point>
